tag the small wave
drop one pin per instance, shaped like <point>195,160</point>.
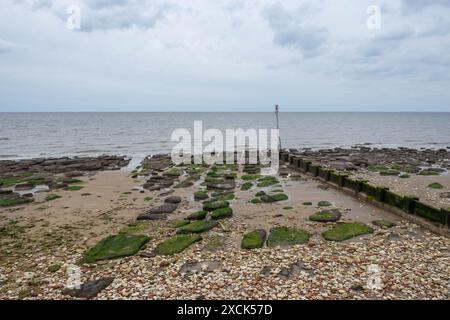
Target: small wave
<point>4,156</point>
<point>4,139</point>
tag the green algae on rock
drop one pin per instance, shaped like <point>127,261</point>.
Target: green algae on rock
<point>435,185</point>
<point>284,236</point>
<point>197,227</point>
<point>253,240</point>
<point>199,215</point>
<point>324,204</point>
<point>117,246</point>
<point>385,224</point>
<point>51,197</point>
<point>176,244</point>
<point>201,195</point>
<point>179,223</point>
<point>274,198</point>
<point>246,186</point>
<point>326,216</point>
<point>346,230</point>
<point>73,188</point>
<point>267,181</point>
<point>222,213</point>
<point>213,205</point>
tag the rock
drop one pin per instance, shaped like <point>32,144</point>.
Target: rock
<point>179,223</point>
<point>190,268</point>
<point>152,216</point>
<point>199,215</point>
<point>165,208</point>
<point>445,195</point>
<point>197,227</point>
<point>357,287</point>
<point>176,244</point>
<point>274,198</point>
<point>200,195</point>
<point>213,205</point>
<point>284,236</point>
<point>173,200</point>
<point>383,224</point>
<point>89,289</point>
<point>113,247</point>
<point>254,239</point>
<point>346,230</point>
<point>222,213</point>
<point>324,204</point>
<point>331,215</point>
<point>228,185</point>
<point>24,186</point>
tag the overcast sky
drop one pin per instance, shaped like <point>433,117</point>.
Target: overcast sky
<point>224,55</point>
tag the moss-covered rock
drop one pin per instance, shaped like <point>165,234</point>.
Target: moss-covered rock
<point>256,201</point>
<point>222,213</point>
<point>346,230</point>
<point>197,227</point>
<point>435,185</point>
<point>222,196</point>
<point>176,244</point>
<point>73,188</point>
<point>200,195</point>
<point>250,177</point>
<point>260,194</point>
<point>54,268</point>
<point>405,176</point>
<point>179,223</point>
<point>199,215</point>
<point>52,197</point>
<point>254,239</point>
<point>385,224</point>
<point>284,236</point>
<point>134,227</point>
<point>267,181</point>
<point>117,246</point>
<point>332,215</point>
<point>324,204</point>
<point>274,197</point>
<point>213,205</point>
<point>246,186</point>
<point>14,201</point>
<point>389,172</point>
<point>307,203</point>
<point>428,172</point>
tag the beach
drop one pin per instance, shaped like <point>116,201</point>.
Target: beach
<point>40,240</point>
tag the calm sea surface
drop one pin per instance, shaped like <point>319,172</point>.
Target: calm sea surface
<point>27,135</point>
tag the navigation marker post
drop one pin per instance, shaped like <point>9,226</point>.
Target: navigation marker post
<point>277,110</point>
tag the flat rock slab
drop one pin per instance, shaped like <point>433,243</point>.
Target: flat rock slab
<point>221,186</point>
<point>198,226</point>
<point>331,215</point>
<point>173,200</point>
<point>346,230</point>
<point>113,247</point>
<point>164,208</point>
<point>284,236</point>
<point>176,244</point>
<point>152,216</point>
<point>385,224</point>
<point>89,289</point>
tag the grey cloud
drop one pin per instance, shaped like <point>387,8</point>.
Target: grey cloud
<point>291,31</point>
<point>108,14</point>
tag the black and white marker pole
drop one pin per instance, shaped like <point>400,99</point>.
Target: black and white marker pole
<point>277,110</point>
